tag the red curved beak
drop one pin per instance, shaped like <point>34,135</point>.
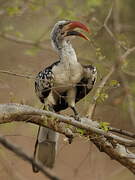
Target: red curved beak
<point>76,24</point>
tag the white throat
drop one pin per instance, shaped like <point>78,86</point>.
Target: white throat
<point>69,71</point>
<point>67,53</point>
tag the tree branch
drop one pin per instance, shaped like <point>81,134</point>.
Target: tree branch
<point>129,97</point>
<point>111,144</point>
<point>92,106</point>
<point>122,132</point>
<point>16,74</point>
<point>17,112</point>
<point>48,173</point>
<point>21,41</point>
<point>120,61</point>
<point>116,152</point>
<point>128,52</point>
<point>105,25</point>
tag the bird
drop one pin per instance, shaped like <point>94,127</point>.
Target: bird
<point>61,85</point>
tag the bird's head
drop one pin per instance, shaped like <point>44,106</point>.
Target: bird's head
<point>66,28</point>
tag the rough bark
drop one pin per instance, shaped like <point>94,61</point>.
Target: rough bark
<point>113,145</point>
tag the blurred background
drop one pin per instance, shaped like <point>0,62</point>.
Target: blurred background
<point>25,49</point>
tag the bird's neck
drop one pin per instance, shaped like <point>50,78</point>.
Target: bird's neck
<point>67,53</point>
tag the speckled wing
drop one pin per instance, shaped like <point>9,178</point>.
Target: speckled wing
<point>87,82</point>
<point>44,83</point>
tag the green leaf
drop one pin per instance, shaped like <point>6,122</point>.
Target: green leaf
<point>99,54</point>
<point>80,131</point>
<point>114,83</point>
<point>102,97</point>
<point>104,126</point>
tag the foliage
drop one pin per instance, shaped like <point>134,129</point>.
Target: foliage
<point>81,131</point>
<point>104,126</point>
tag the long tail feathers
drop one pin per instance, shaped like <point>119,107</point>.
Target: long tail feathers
<point>45,148</point>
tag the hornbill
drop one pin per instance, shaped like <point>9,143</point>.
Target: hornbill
<point>61,85</point>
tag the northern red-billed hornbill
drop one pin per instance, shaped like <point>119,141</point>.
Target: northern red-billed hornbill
<point>61,85</point>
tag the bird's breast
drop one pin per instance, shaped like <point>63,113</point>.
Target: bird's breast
<point>66,76</point>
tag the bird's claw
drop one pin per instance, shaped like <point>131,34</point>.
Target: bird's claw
<point>76,117</point>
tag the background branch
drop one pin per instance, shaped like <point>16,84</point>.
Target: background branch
<point>29,159</point>
<point>21,41</point>
<point>17,74</point>
<point>92,106</point>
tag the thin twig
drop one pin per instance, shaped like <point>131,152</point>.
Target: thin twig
<point>122,132</point>
<point>29,159</point>
<point>128,73</point>
<point>129,97</point>
<point>105,25</point>
<point>120,60</point>
<point>19,40</point>
<point>108,15</point>
<point>127,53</point>
<point>92,106</point>
<point>17,74</point>
<point>34,78</point>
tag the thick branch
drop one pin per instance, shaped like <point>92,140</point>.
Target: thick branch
<point>108,142</point>
<point>17,112</point>
<point>116,152</point>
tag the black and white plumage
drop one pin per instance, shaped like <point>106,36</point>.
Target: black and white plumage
<point>44,85</point>
<point>61,85</point>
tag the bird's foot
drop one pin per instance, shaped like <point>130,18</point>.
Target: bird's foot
<point>76,114</point>
<point>76,117</point>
